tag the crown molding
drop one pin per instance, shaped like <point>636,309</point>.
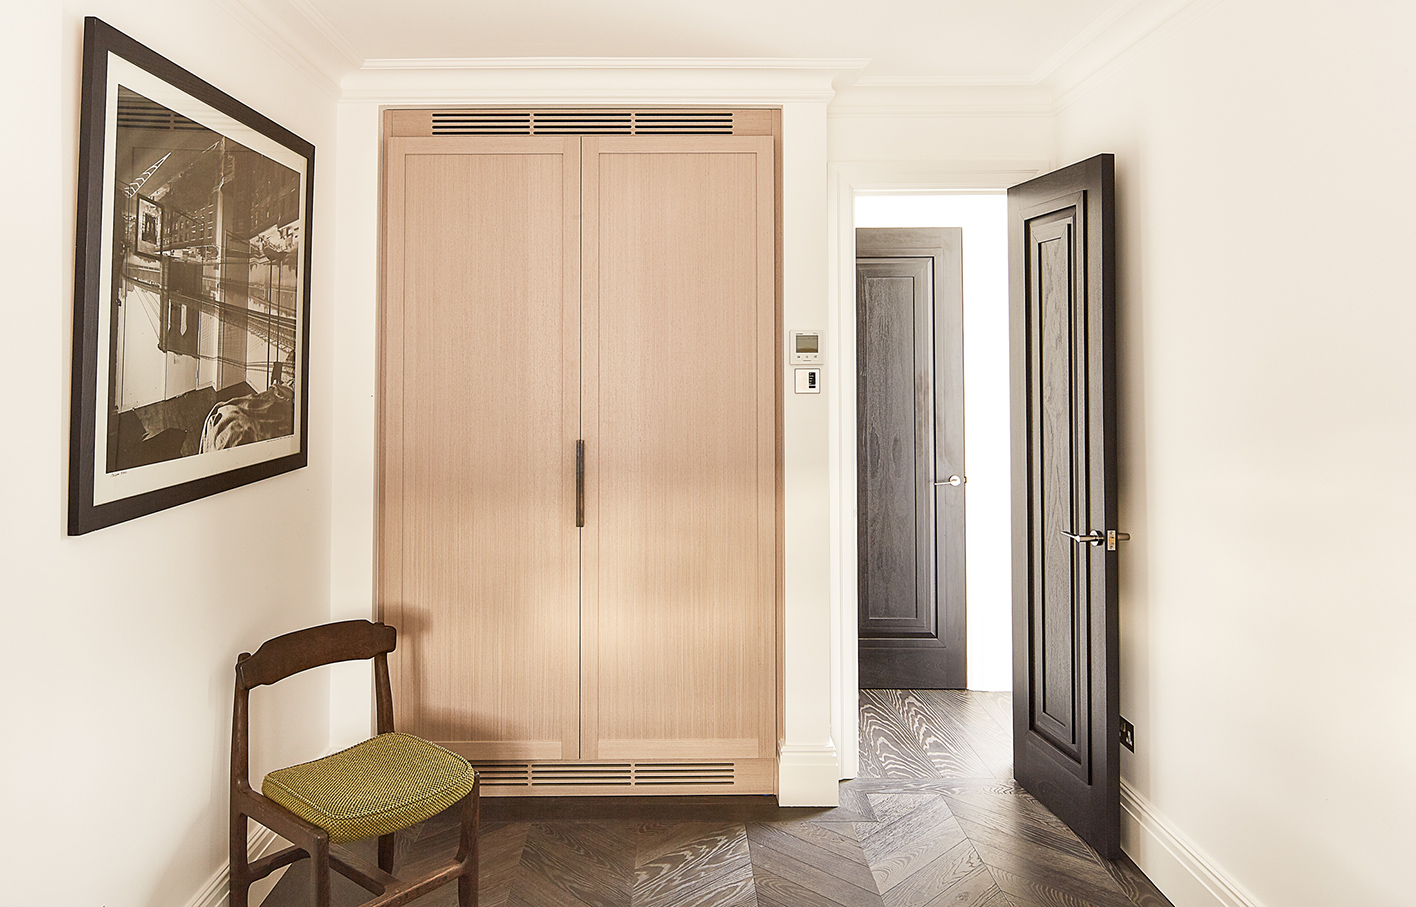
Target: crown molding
<point>300,34</point>
<point>281,26</point>
<point>414,95</point>
<point>1099,50</point>
<point>599,80</point>
<point>328,32</point>
<point>1163,18</point>
<point>1097,31</point>
<point>851,64</point>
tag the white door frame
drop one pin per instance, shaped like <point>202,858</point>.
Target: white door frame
<point>846,180</point>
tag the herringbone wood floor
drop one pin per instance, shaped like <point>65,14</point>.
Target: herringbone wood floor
<point>935,819</point>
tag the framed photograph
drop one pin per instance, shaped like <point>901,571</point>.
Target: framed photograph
<point>191,289</point>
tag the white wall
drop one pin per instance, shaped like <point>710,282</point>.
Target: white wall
<point>987,539</point>
<point>1268,414</point>
<point>354,499</point>
<point>120,644</point>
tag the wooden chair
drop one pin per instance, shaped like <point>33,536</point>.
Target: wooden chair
<point>375,788</point>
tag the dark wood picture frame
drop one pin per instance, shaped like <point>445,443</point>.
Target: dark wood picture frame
<point>191,353</point>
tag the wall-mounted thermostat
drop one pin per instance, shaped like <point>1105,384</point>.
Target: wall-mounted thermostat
<point>806,347</point>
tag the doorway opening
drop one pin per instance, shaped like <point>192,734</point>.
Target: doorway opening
<point>982,217</point>
<point>1057,355</point>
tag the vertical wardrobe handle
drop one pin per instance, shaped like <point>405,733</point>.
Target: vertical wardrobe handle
<point>579,484</point>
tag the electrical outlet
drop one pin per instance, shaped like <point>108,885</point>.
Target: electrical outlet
<point>1128,735</point>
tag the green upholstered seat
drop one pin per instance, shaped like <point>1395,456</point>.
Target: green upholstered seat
<point>384,784</point>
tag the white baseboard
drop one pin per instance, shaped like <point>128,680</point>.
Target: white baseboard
<point>217,891</point>
<point>1182,872</point>
<point>808,775</point>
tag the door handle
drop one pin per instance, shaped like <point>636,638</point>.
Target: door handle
<point>956,481</point>
<point>1091,538</point>
<point>1110,538</point>
<point>579,484</point>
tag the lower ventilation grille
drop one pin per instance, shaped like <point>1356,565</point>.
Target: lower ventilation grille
<point>600,774</point>
<point>684,773</point>
<point>568,774</point>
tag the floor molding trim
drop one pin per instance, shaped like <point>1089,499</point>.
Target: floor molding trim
<point>1172,862</point>
<point>217,891</point>
<point>808,775</point>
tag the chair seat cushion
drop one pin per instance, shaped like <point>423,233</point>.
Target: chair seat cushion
<point>384,784</point>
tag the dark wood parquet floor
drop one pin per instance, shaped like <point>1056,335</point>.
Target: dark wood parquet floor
<point>935,819</point>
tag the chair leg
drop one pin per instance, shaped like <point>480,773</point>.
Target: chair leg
<point>319,872</point>
<point>467,848</point>
<point>240,875</point>
<point>386,853</point>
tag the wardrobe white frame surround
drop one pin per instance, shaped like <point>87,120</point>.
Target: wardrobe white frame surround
<point>809,761</point>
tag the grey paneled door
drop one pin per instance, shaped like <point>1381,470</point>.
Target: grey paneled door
<point>910,457</point>
<point>1065,669</point>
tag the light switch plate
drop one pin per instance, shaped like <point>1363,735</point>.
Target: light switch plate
<point>808,381</point>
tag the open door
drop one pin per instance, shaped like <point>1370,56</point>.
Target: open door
<point>1066,713</point>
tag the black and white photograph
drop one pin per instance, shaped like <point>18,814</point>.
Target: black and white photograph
<point>190,332</point>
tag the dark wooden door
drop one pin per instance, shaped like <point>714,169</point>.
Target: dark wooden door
<point>1066,745</point>
<point>910,456</point>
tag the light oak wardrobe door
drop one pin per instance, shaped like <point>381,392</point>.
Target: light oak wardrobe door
<point>481,393</point>
<point>679,423</point>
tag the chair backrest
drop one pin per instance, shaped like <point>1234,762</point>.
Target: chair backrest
<point>279,658</point>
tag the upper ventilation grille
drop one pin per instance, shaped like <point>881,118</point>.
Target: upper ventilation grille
<point>583,122</point>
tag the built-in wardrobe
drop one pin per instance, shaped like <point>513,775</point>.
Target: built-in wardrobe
<point>579,475</point>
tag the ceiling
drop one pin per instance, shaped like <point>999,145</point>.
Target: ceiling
<point>908,42</point>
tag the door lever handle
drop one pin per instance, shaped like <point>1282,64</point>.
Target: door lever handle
<point>956,481</point>
<point>1110,538</point>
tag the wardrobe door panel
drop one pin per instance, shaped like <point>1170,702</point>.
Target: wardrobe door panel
<point>679,420</point>
<point>480,413</point>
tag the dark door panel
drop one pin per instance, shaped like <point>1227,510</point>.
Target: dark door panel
<point>1065,667</point>
<point>909,324</point>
